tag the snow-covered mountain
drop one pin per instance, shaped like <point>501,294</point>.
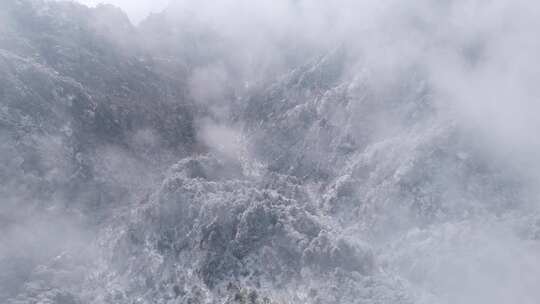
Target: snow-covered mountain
<point>214,155</point>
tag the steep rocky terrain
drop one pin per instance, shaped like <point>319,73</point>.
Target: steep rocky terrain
<point>138,166</point>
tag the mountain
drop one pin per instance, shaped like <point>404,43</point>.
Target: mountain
<point>185,160</point>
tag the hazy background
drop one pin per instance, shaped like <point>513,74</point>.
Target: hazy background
<point>471,65</point>
<point>137,10</point>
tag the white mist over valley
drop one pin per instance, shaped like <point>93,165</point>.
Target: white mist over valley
<point>285,151</point>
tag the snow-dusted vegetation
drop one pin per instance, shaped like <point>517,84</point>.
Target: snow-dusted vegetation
<point>270,152</point>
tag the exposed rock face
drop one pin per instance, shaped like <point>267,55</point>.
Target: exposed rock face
<point>322,186</point>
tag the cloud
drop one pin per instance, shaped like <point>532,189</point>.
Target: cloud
<point>478,58</point>
<point>222,139</point>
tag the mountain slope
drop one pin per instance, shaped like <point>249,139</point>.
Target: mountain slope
<point>156,164</point>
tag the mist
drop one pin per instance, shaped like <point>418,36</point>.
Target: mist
<point>136,10</point>
<point>286,151</point>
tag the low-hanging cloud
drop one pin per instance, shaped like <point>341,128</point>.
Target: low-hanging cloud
<point>477,59</point>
